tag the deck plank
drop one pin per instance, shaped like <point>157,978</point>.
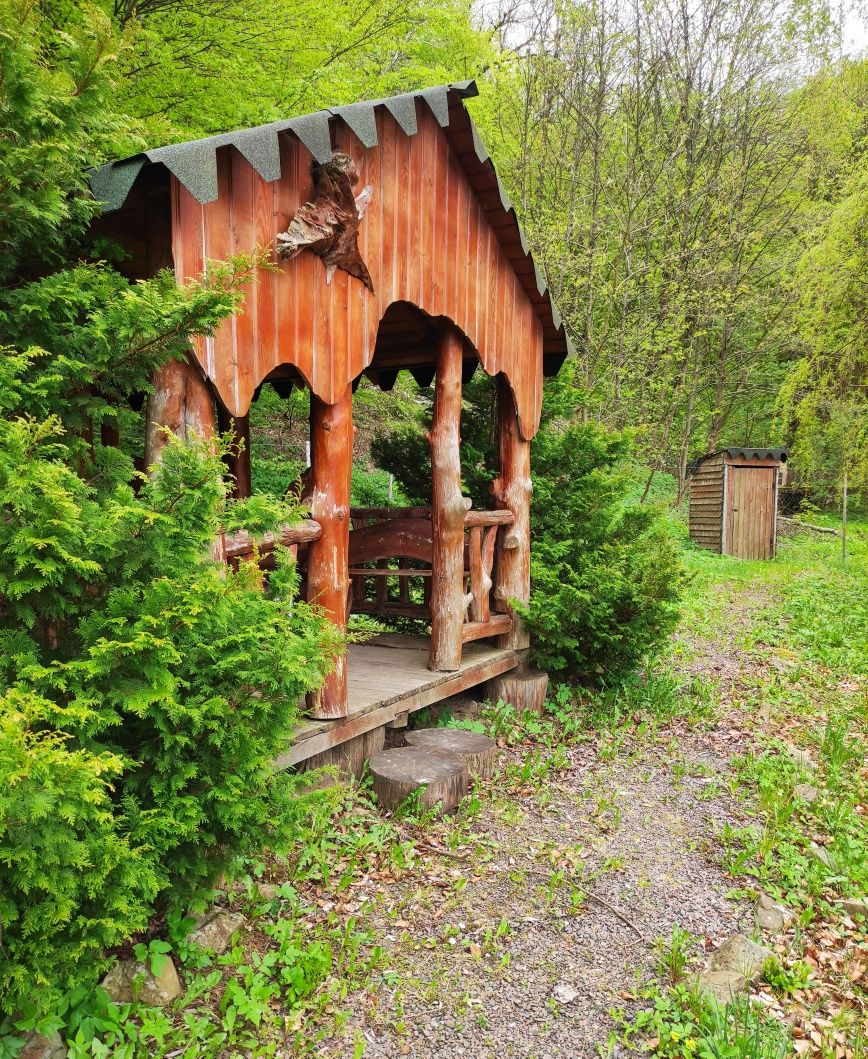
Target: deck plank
<point>387,676</point>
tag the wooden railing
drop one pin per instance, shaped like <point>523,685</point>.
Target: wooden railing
<point>239,546</point>
<point>391,553</point>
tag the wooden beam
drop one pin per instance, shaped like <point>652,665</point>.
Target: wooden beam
<point>512,491</point>
<point>238,461</point>
<point>448,507</point>
<point>328,581</point>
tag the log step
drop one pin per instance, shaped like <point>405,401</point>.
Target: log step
<point>522,689</point>
<point>477,752</point>
<point>401,772</point>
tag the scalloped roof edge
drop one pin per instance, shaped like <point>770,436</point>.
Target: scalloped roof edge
<point>194,162</point>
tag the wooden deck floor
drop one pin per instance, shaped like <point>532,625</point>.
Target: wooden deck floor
<point>389,676</point>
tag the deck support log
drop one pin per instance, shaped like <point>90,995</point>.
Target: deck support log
<point>448,507</point>
<point>328,580</point>
<point>512,490</point>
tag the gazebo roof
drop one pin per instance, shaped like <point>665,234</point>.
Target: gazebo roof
<point>194,165</point>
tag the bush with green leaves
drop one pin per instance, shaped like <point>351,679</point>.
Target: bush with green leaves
<point>605,569</point>
<point>605,572</point>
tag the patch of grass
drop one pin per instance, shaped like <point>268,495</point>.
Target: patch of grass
<point>683,1022</point>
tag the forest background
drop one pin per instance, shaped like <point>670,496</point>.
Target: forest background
<point>693,177</point>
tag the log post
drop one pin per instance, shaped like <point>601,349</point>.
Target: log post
<point>238,461</point>
<point>183,402</point>
<point>448,507</point>
<point>328,577</point>
<point>512,490</point>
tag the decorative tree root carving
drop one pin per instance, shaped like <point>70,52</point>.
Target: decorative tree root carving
<point>328,226</point>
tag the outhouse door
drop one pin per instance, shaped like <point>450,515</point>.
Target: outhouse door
<point>751,516</point>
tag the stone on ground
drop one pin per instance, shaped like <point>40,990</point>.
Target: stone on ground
<point>855,906</point>
<point>821,854</point>
<point>564,994</point>
<point>805,792</point>
<point>772,916</point>
<point>477,751</point>
<point>739,955</point>
<point>129,980</point>
<point>215,928</point>
<point>801,757</point>
<point>38,1046</point>
<point>401,772</point>
<point>722,985</point>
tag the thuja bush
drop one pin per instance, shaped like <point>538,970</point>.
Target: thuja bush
<point>606,574</point>
<point>146,690</point>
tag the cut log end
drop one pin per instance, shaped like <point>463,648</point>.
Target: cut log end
<point>523,690</point>
<point>477,751</point>
<point>437,777</point>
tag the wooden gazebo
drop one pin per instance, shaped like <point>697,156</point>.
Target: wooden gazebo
<point>397,249</point>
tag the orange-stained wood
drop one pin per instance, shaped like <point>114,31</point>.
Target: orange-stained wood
<point>182,403</point>
<point>331,433</point>
<point>448,508</point>
<point>425,239</point>
<point>512,490</point>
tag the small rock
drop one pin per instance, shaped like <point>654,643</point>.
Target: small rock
<point>268,891</point>
<point>37,1046</point>
<point>215,929</point>
<point>129,979</point>
<point>805,792</point>
<point>564,994</point>
<point>772,916</point>
<point>801,757</point>
<point>821,854</point>
<point>855,906</point>
<point>740,956</point>
<point>723,985</point>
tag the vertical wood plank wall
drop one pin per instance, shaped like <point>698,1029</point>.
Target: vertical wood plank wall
<point>425,238</point>
<point>706,504</point>
<point>751,511</point>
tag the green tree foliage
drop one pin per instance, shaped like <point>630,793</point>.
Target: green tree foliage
<point>195,67</point>
<point>54,124</point>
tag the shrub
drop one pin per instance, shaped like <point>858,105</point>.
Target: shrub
<point>605,573</point>
<point>72,883</point>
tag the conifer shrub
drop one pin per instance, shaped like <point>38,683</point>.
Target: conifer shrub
<point>605,569</point>
<point>146,690</point>
<point>606,574</point>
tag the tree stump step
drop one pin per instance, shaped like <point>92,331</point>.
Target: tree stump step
<point>477,751</point>
<point>401,772</point>
<point>521,689</point>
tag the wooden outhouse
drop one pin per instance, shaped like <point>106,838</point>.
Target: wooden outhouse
<point>394,246</point>
<point>734,501</point>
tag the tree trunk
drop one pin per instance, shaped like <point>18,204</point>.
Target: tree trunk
<point>328,580</point>
<point>448,508</point>
<point>512,490</point>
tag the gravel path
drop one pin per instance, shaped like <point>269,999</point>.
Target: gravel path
<point>482,945</point>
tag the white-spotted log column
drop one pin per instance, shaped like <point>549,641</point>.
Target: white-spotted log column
<point>182,402</point>
<point>512,491</point>
<point>328,577</point>
<point>448,508</point>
